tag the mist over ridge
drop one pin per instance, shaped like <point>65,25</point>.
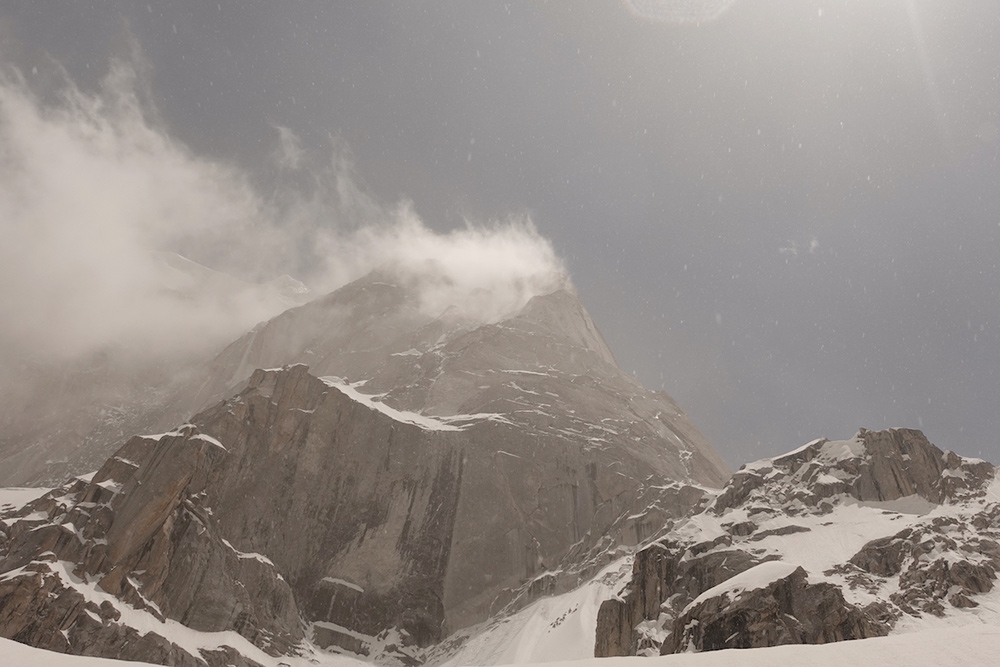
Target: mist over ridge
<point>92,187</point>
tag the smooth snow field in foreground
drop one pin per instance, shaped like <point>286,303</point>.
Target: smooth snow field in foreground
<point>967,645</point>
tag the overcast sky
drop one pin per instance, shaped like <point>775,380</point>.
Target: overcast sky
<point>787,216</point>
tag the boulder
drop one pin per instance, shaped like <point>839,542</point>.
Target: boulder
<point>665,578</point>
<point>777,606</point>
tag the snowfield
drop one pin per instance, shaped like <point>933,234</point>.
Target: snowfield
<point>970,645</point>
<point>552,629</point>
<point>13,498</point>
<point>560,630</point>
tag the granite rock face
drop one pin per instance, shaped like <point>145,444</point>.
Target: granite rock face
<point>786,610</point>
<point>666,576</point>
<point>334,492</point>
<point>874,466</point>
<point>302,501</point>
<point>545,368</point>
<point>137,537</point>
<point>550,384</point>
<point>425,472</point>
<point>946,556</point>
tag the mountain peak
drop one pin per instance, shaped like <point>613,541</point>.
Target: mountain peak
<point>873,466</point>
<point>561,312</point>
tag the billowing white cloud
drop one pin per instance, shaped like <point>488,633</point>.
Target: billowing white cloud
<point>290,152</point>
<point>88,188</point>
<point>486,272</point>
<point>93,192</point>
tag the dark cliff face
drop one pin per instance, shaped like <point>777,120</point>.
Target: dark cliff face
<point>432,519</point>
<point>426,473</point>
<point>788,610</point>
<point>356,510</point>
<point>316,508</point>
<point>301,499</point>
<point>555,394</point>
<point>84,561</point>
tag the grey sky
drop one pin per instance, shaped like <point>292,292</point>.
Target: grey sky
<point>788,217</point>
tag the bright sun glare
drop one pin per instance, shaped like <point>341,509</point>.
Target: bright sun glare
<point>679,11</point>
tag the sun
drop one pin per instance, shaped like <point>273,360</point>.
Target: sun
<point>679,11</point>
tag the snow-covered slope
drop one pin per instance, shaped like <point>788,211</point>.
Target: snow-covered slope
<point>21,655</point>
<point>965,646</point>
<point>883,533</point>
<point>560,627</point>
<point>13,497</point>
<point>880,534</point>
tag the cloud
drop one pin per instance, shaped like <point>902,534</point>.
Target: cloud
<point>289,153</point>
<point>484,272</point>
<point>95,195</point>
<point>88,188</point>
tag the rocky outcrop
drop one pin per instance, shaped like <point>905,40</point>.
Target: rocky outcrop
<point>944,561</point>
<point>666,576</point>
<point>42,606</point>
<point>139,537</point>
<point>680,591</point>
<point>179,524</point>
<point>882,477</point>
<point>770,605</point>
<point>874,466</point>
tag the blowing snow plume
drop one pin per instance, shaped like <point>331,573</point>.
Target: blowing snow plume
<point>89,190</point>
<point>95,198</point>
<point>127,261</point>
<point>484,273</point>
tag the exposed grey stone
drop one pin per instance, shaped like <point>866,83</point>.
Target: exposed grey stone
<point>306,502</point>
<point>884,556</point>
<point>790,529</point>
<point>665,577</point>
<point>874,467</point>
<point>892,464</point>
<point>788,611</point>
<point>742,529</point>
